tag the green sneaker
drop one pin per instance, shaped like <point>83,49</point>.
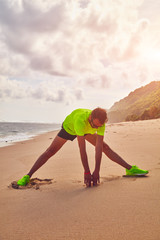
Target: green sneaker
<point>135,171</point>
<point>24,180</point>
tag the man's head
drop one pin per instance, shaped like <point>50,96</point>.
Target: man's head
<point>98,117</point>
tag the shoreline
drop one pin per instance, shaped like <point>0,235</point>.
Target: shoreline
<point>30,137</point>
<point>11,132</point>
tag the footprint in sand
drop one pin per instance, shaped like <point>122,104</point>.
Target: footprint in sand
<point>110,178</point>
<point>76,181</point>
<point>34,183</point>
<point>113,178</point>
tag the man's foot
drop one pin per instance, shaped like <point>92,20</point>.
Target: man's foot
<point>135,171</point>
<point>24,180</point>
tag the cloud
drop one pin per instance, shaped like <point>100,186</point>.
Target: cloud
<point>46,91</point>
<point>91,42</point>
<point>12,89</point>
<point>32,16</point>
<point>41,62</point>
<point>99,81</point>
<point>56,30</point>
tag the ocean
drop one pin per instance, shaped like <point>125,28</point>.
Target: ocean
<point>11,132</point>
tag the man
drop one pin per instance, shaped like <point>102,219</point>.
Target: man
<point>84,124</point>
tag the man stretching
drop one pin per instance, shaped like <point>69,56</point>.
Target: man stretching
<point>84,124</point>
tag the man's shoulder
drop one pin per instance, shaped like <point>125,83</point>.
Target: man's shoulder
<point>83,114</point>
<point>80,113</point>
<point>82,110</point>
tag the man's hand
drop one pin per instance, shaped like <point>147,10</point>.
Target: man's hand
<point>95,178</point>
<point>87,179</point>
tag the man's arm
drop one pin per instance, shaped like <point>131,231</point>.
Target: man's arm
<point>98,157</point>
<point>84,159</point>
<point>83,153</point>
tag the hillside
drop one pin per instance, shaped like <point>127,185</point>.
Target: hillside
<point>141,104</point>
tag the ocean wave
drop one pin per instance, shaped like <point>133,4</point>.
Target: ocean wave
<point>15,132</point>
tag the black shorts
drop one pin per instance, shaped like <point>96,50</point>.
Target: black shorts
<point>65,135</point>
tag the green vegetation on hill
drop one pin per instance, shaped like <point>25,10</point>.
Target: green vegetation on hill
<point>142,104</point>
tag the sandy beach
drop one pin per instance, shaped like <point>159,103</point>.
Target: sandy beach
<point>118,208</point>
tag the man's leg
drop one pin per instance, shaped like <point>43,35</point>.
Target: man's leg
<point>108,151</point>
<point>57,143</point>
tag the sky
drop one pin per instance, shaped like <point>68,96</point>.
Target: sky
<point>59,55</point>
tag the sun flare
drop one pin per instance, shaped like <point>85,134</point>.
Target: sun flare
<point>152,55</point>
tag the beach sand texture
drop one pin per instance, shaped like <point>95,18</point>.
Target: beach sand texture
<point>119,208</point>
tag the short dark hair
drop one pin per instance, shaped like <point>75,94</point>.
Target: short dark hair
<point>100,114</point>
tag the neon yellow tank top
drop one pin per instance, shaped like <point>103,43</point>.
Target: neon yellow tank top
<point>77,123</point>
